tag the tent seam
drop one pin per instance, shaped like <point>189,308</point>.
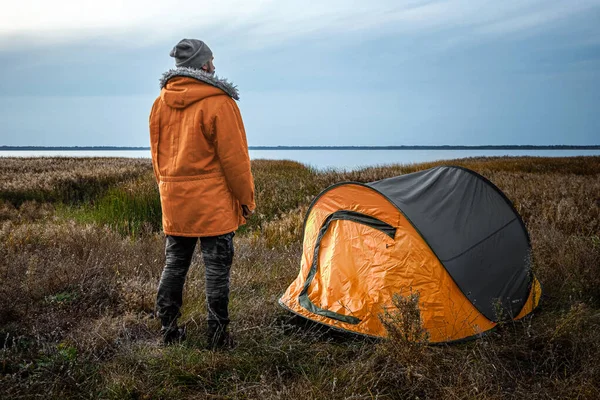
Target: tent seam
<point>481,241</point>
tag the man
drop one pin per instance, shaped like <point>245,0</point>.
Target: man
<point>201,163</point>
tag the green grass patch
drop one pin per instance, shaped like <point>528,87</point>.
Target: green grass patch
<point>131,208</point>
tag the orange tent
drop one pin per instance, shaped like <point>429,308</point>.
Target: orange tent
<point>447,233</point>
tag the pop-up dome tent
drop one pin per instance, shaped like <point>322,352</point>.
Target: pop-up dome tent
<point>446,233</point>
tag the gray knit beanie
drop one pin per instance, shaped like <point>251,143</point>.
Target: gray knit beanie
<point>191,53</point>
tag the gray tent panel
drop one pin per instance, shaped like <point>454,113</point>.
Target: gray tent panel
<point>494,274</point>
<point>472,228</point>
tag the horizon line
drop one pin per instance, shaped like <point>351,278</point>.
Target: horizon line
<point>326,147</point>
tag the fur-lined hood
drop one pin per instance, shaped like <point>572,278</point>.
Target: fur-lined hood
<point>202,76</point>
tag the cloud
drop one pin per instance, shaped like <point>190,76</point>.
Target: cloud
<point>267,23</point>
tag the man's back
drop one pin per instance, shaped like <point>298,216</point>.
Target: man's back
<point>200,156</point>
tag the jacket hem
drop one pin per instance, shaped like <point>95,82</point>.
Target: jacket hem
<point>203,234</point>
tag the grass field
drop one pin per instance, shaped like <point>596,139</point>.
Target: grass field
<point>81,254</point>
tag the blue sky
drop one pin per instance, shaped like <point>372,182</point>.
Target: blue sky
<point>310,72</point>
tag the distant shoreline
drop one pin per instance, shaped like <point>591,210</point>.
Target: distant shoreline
<point>444,147</point>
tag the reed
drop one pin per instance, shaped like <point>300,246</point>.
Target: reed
<point>63,179</point>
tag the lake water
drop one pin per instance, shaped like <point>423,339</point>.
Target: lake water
<point>326,159</point>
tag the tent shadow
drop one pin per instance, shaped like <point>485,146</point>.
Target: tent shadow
<point>303,328</point>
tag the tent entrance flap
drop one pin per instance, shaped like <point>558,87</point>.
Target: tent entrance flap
<point>346,215</point>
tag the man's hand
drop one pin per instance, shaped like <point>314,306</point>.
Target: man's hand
<point>246,211</point>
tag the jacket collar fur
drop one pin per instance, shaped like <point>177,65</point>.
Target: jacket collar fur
<point>202,76</point>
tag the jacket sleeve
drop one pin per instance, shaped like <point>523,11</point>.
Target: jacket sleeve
<point>153,138</point>
<point>232,150</point>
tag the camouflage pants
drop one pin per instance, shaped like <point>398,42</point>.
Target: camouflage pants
<point>217,252</point>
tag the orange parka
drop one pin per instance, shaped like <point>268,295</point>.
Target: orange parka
<point>200,155</point>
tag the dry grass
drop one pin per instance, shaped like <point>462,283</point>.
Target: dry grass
<point>63,179</point>
<point>77,292</point>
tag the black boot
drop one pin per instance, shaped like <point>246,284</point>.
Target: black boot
<point>218,337</point>
<point>172,333</point>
